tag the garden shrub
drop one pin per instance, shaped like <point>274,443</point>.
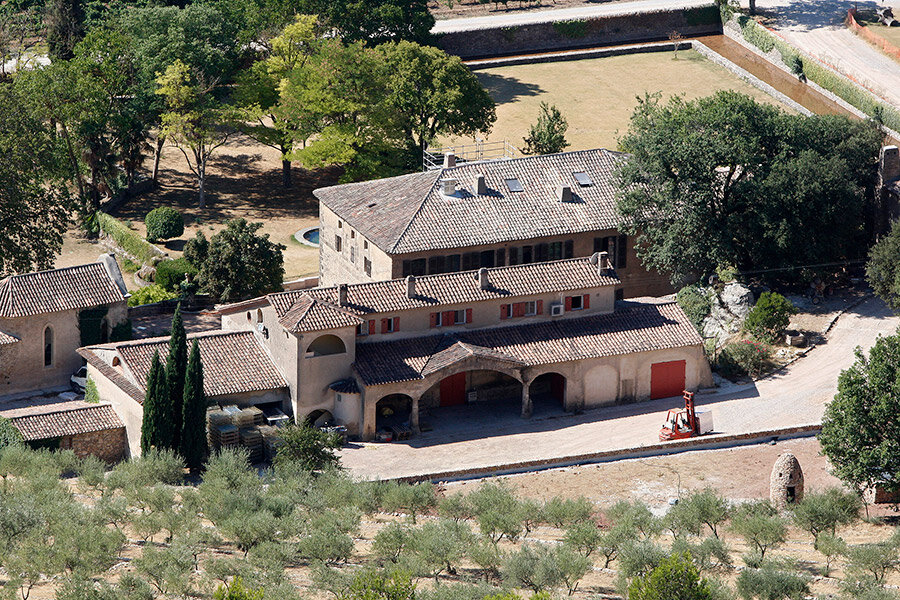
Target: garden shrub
<point>770,317</point>
<point>170,273</point>
<point>742,358</point>
<point>571,29</point>
<point>9,435</point>
<point>163,223</point>
<point>149,295</point>
<point>128,240</point>
<point>695,304</point>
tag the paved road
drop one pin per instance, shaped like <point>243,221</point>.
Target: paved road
<point>562,14</point>
<point>795,397</point>
<point>816,26</point>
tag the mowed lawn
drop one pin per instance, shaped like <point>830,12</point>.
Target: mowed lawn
<point>597,96</point>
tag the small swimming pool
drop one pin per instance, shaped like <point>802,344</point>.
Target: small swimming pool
<point>308,236</point>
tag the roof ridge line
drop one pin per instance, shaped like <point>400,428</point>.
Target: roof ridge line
<point>57,412</point>
<point>532,157</point>
<point>42,271</point>
<point>416,213</point>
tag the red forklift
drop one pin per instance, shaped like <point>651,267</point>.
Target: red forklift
<point>685,422</point>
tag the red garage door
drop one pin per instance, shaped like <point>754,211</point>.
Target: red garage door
<point>453,390</point>
<point>667,379</point>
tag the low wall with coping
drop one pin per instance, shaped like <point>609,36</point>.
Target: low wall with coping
<point>583,33</point>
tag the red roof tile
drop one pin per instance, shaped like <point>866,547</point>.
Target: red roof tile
<point>639,328</point>
<point>6,338</point>
<point>83,286</point>
<point>79,419</point>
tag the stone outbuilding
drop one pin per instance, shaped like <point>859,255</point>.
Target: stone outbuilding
<point>786,484</point>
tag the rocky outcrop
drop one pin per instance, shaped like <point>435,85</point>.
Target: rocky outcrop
<point>728,309</point>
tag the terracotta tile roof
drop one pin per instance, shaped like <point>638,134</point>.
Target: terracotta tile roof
<point>639,328</point>
<point>6,338</point>
<point>410,214</point>
<point>136,393</point>
<point>311,314</point>
<point>233,362</point>
<point>74,420</point>
<point>83,286</point>
<point>449,289</point>
<point>460,351</point>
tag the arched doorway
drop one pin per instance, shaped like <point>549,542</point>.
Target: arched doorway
<point>327,344</point>
<point>548,392</point>
<point>318,418</point>
<point>393,410</point>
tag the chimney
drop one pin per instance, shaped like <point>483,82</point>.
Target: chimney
<point>483,282</point>
<point>112,269</point>
<point>889,165</point>
<point>602,262</point>
<point>342,294</point>
<point>564,193</point>
<point>411,286</point>
<point>480,185</point>
<point>449,160</point>
<point>448,186</point>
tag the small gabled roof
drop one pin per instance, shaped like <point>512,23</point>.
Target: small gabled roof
<point>6,338</point>
<point>311,314</point>
<point>410,213</point>
<point>459,351</point>
<point>83,286</point>
<point>233,362</point>
<point>70,418</point>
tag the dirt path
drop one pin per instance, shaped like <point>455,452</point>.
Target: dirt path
<point>816,26</point>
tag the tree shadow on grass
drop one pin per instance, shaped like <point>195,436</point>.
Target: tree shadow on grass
<point>506,89</point>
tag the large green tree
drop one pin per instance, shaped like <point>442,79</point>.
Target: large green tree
<point>33,200</point>
<point>883,268</point>
<point>156,425</point>
<point>176,368</point>
<point>193,420</point>
<point>727,180</point>
<point>65,27</point>
<point>430,93</point>
<point>375,21</point>
<point>548,134</point>
<point>861,425</point>
<point>237,263</point>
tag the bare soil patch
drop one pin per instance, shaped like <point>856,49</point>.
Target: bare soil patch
<point>450,9</point>
<point>597,96</point>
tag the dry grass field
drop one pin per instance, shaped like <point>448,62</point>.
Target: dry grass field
<point>597,96</point>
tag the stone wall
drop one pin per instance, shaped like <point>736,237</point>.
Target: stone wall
<point>109,445</point>
<point>561,35</point>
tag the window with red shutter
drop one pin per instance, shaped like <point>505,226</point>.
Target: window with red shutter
<point>519,309</point>
<point>504,311</point>
<point>447,318</point>
<point>586,303</point>
<point>540,307</point>
<point>396,324</point>
<point>568,303</point>
<point>468,315</point>
<point>434,318</point>
<point>384,326</point>
<point>371,326</point>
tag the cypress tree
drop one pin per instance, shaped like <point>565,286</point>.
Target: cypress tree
<point>156,427</point>
<point>176,365</point>
<point>193,428</point>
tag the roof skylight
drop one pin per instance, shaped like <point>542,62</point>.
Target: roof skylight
<point>514,184</point>
<point>583,179</point>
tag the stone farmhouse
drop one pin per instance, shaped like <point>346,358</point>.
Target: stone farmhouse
<point>44,318</point>
<point>479,214</point>
<point>390,353</point>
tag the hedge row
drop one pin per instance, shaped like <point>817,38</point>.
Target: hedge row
<point>127,239</point>
<point>760,37</point>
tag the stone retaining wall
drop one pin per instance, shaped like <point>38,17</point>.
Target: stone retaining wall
<point>109,445</point>
<point>563,35</point>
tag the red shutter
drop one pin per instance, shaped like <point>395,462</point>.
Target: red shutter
<point>568,303</point>
<point>468,315</point>
<point>519,309</point>
<point>504,311</point>
<point>396,323</point>
<point>540,307</point>
<point>586,303</point>
<point>384,325</point>
<point>434,319</point>
<point>448,317</point>
<point>371,326</point>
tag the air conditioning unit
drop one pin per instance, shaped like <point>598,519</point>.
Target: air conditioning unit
<point>557,310</point>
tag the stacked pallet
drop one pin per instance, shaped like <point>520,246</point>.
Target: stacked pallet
<point>225,436</point>
<point>271,440</point>
<point>252,440</point>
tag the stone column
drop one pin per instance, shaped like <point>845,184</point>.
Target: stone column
<point>414,415</point>
<point>526,401</point>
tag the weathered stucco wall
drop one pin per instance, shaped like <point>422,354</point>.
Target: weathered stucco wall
<point>348,264</point>
<point>129,411</point>
<point>500,41</point>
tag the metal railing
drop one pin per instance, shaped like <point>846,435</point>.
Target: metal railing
<point>433,156</point>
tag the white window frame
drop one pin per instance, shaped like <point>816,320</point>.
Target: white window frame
<point>459,317</point>
<point>580,301</point>
<point>530,308</point>
<point>390,325</point>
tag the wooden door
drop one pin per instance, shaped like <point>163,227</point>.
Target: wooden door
<point>453,390</point>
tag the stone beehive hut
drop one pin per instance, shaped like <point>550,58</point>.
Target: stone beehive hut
<point>786,484</point>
